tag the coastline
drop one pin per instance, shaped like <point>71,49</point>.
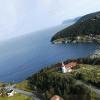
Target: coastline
<point>82,40</point>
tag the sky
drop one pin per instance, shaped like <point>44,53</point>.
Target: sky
<point>19,17</point>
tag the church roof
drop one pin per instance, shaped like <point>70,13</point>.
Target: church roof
<point>70,64</point>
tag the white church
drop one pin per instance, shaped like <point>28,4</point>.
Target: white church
<point>68,67</point>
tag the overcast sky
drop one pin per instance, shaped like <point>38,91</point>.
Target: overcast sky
<point>23,16</point>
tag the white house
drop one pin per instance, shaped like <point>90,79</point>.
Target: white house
<point>0,94</point>
<point>10,93</point>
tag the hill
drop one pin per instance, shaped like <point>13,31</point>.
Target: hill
<point>51,81</point>
<point>86,29</point>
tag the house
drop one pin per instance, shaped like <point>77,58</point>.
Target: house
<point>68,67</point>
<point>0,94</point>
<point>55,97</point>
<point>10,93</point>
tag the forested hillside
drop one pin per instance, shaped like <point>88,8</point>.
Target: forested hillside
<point>51,81</point>
<point>86,25</point>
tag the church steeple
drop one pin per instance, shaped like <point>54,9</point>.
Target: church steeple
<point>63,68</point>
<point>63,64</point>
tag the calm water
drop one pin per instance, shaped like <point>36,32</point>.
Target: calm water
<point>22,56</point>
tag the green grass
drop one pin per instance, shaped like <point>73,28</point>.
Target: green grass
<point>1,84</point>
<point>89,74</point>
<point>16,97</point>
<point>23,85</point>
<point>86,69</point>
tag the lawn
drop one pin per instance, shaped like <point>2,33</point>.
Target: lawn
<point>16,97</point>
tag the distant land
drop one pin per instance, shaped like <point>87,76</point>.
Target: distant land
<point>71,20</point>
<point>86,29</point>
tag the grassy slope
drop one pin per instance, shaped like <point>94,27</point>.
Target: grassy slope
<point>1,84</point>
<point>23,85</point>
<point>16,97</point>
<point>90,72</point>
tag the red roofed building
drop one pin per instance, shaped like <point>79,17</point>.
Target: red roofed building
<point>68,67</point>
<point>71,64</point>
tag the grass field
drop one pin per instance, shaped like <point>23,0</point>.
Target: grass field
<point>16,97</point>
<point>90,70</point>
